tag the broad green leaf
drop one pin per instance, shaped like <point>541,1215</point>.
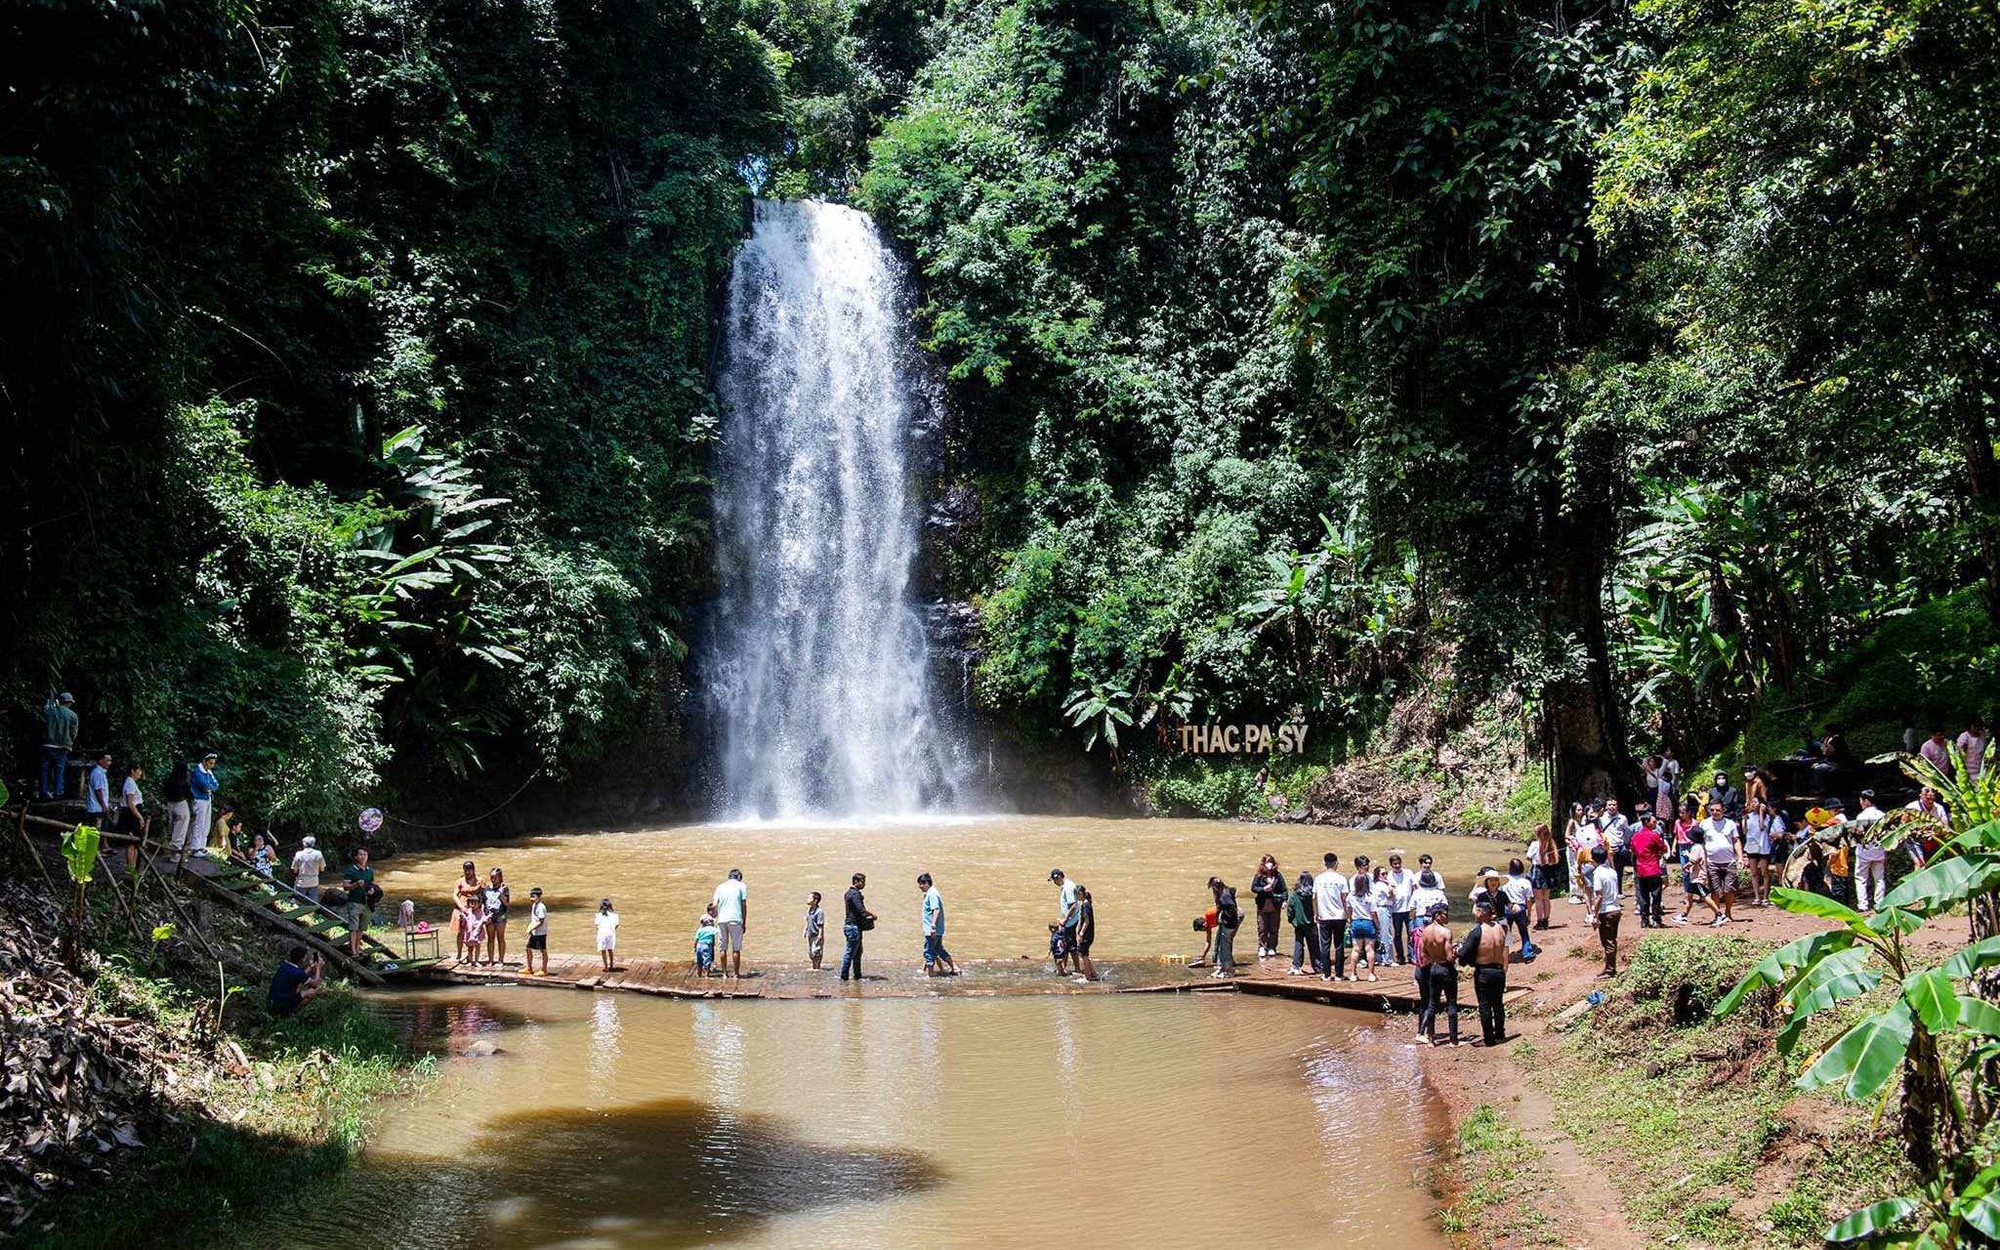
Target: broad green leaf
<point>1930,995</point>
<point>1782,964</point>
<point>1863,1059</point>
<point>79,848</point>
<point>1983,1213</point>
<point>1940,885</point>
<point>1895,920</point>
<point>1976,1015</point>
<point>1807,903</point>
<point>1872,1221</point>
<point>1980,955</point>
<point>1835,979</point>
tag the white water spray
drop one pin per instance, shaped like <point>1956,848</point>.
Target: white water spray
<point>820,677</point>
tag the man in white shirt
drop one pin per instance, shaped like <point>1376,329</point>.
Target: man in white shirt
<point>306,867</point>
<point>732,916</point>
<point>1330,909</point>
<point>1722,845</point>
<point>1972,750</point>
<point>1605,911</point>
<point>97,788</point>
<point>1401,882</point>
<point>1871,861</point>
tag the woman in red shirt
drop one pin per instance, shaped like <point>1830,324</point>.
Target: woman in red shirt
<point>1649,872</point>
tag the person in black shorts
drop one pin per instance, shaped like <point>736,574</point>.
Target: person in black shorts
<point>1086,932</point>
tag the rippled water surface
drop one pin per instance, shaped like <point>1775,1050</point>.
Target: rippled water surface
<point>1146,877</point>
<point>611,1120</point>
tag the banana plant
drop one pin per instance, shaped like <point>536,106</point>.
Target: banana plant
<point>1937,1013</point>
<point>79,852</point>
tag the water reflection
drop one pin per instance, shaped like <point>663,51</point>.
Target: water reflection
<point>666,1173</point>
<point>628,1121</point>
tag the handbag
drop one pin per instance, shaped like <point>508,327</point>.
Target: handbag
<point>866,923</point>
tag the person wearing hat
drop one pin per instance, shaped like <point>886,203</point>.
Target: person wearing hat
<point>1437,973</point>
<point>538,933</point>
<point>306,867</point>
<point>1871,861</point>
<point>59,725</point>
<point>202,786</point>
<point>1485,951</point>
<point>1067,915</point>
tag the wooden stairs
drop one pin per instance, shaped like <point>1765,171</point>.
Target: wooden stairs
<point>270,902</point>
<point>280,907</point>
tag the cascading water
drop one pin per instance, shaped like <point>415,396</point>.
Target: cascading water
<point>820,680</point>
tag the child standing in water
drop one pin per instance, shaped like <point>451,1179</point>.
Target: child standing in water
<point>607,935</point>
<point>704,943</point>
<point>815,930</point>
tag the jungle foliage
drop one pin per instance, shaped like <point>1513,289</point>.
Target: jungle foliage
<point>1634,360</point>
<point>1639,358</point>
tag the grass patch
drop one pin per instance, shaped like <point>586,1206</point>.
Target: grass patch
<point>294,1123</point>
<point>1525,806</point>
<point>1496,1198</point>
<point>1710,1108</point>
<point>1224,787</point>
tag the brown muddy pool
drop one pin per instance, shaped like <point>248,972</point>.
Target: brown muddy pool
<point>1146,878</point>
<point>609,1120</point>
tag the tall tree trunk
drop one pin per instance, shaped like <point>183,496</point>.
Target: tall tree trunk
<point>1583,720</point>
<point>1983,476</point>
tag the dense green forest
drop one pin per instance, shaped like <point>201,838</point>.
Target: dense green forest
<point>1626,362</point>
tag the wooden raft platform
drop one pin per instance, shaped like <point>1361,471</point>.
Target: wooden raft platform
<point>1394,992</point>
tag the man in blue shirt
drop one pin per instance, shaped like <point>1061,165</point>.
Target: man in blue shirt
<point>296,981</point>
<point>937,960</point>
<point>202,786</point>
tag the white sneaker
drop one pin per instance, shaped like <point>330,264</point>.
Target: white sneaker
<point>1680,919</point>
<point>1718,922</point>
<point>1295,972</point>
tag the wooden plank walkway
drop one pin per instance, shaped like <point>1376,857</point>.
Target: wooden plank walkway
<point>1395,992</point>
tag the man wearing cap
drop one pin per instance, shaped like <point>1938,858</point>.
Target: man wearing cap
<point>306,867</point>
<point>1067,914</point>
<point>58,740</point>
<point>1871,861</point>
<point>1484,950</point>
<point>201,787</point>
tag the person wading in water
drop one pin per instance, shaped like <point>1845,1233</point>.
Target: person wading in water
<point>858,920</point>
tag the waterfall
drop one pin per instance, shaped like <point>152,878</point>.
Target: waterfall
<point>820,678</point>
